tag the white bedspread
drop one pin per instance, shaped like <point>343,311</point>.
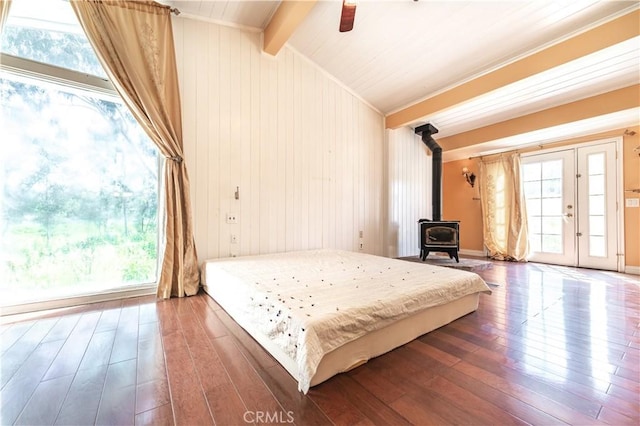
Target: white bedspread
<point>311,302</point>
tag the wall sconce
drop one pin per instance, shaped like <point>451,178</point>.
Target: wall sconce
<point>470,177</point>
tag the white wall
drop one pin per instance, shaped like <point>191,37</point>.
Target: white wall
<point>306,154</point>
<point>409,190</point>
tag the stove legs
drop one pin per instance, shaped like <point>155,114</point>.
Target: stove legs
<point>452,252</point>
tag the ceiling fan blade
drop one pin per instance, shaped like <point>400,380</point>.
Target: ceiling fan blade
<point>347,16</point>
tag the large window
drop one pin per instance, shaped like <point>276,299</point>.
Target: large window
<point>79,206</point>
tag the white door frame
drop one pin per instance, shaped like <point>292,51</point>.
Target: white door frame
<point>585,248</point>
<point>568,254</point>
<point>619,188</point>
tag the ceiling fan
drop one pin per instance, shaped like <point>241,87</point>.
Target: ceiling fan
<point>348,15</point>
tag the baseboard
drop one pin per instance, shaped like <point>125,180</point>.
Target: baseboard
<point>475,253</point>
<point>634,270</point>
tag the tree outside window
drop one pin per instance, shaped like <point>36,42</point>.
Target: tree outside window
<point>79,205</point>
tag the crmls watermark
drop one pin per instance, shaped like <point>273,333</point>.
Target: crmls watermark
<point>268,417</point>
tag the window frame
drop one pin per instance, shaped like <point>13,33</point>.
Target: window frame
<point>70,79</point>
<point>78,81</point>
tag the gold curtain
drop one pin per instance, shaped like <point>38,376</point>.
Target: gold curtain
<point>503,209</point>
<point>134,42</point>
<point>5,5</point>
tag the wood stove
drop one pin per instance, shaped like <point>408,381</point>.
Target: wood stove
<point>437,235</point>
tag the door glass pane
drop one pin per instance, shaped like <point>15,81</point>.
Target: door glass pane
<point>535,224</point>
<point>595,163</point>
<point>535,242</point>
<point>534,207</point>
<point>552,169</point>
<point>531,172</point>
<point>532,189</point>
<point>596,225</point>
<point>542,184</point>
<point>551,206</point>
<point>597,246</point>
<point>597,199</point>
<point>552,243</point>
<point>596,185</point>
<point>552,188</point>
<point>596,205</point>
<point>552,225</point>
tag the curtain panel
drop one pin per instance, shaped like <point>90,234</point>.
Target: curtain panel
<point>5,5</point>
<point>504,212</point>
<point>134,42</point>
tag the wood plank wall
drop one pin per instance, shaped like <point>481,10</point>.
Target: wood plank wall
<point>409,190</point>
<point>307,155</point>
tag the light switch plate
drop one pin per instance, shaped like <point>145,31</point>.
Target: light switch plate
<point>632,202</point>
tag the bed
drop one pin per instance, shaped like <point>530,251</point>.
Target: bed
<point>323,312</point>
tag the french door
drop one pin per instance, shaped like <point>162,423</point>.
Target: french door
<point>571,206</point>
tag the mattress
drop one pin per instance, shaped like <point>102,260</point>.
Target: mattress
<point>320,312</point>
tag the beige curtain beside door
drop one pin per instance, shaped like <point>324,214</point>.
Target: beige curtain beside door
<point>5,5</point>
<point>134,42</point>
<point>503,209</point>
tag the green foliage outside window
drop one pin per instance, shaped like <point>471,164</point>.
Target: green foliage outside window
<point>79,206</point>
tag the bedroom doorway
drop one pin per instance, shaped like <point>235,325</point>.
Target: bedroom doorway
<point>571,198</point>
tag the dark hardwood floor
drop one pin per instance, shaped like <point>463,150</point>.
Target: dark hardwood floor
<point>551,345</point>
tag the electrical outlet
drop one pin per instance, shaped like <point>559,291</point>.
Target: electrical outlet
<point>232,218</point>
<point>234,239</point>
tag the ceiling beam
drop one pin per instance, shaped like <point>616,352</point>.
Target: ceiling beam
<point>289,15</point>
<point>598,38</point>
<point>606,103</point>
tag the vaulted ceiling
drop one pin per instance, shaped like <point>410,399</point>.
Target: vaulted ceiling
<point>490,75</point>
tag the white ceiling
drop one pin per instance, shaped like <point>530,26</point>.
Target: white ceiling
<point>250,14</point>
<point>404,51</point>
<point>600,72</point>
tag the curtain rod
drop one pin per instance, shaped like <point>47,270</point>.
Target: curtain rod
<point>172,9</point>
<point>627,132</point>
<point>500,153</point>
